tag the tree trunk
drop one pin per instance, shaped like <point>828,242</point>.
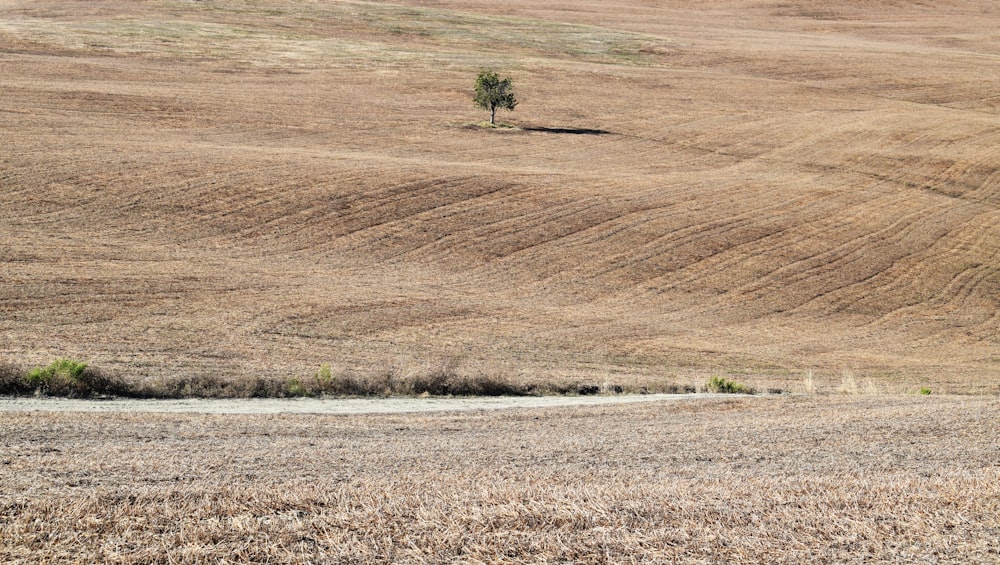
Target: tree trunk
<point>493,115</point>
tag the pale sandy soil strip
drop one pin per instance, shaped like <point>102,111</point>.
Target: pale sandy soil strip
<point>319,406</point>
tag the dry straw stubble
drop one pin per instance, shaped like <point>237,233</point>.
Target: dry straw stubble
<point>229,188</point>
<point>818,479</point>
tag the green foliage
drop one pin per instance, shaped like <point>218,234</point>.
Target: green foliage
<point>493,93</point>
<point>721,385</point>
<point>66,377</point>
<point>295,387</point>
<point>325,376</point>
<point>925,391</point>
<point>60,368</point>
<point>325,383</point>
<point>61,377</point>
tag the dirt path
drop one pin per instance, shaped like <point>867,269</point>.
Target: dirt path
<point>320,406</point>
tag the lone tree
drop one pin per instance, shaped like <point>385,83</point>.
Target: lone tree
<point>493,93</point>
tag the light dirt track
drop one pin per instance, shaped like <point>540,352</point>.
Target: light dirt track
<point>746,188</point>
<point>323,406</point>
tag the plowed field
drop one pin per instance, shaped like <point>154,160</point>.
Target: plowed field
<point>755,189</point>
<point>820,479</point>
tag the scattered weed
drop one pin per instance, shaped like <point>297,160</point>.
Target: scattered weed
<point>324,377</point>
<point>870,388</point>
<point>848,384</point>
<point>294,388</point>
<point>925,391</point>
<point>489,126</point>
<point>809,383</point>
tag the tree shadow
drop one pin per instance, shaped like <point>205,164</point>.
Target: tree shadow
<point>570,131</point>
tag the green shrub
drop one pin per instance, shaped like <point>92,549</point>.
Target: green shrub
<point>60,368</point>
<point>63,377</point>
<point>295,388</point>
<point>66,377</point>
<point>925,391</point>
<point>324,382</point>
<point>324,377</point>
<point>721,385</point>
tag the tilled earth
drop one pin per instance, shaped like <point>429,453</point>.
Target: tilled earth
<point>249,189</point>
<point>820,479</point>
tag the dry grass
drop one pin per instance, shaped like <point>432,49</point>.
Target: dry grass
<point>828,479</point>
<point>447,378</point>
<point>224,193</point>
<point>253,189</point>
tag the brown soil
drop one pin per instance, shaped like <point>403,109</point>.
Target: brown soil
<point>750,188</point>
<point>763,480</point>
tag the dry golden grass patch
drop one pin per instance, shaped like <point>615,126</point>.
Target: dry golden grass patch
<point>884,479</point>
<point>254,189</point>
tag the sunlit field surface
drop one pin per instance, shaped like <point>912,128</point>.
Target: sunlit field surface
<point>820,479</point>
<point>752,189</point>
<point>799,196</point>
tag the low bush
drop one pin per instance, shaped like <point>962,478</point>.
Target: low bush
<point>721,385</point>
<point>295,388</point>
<point>210,386</point>
<point>75,379</point>
<point>344,384</point>
<point>440,381</point>
<point>669,389</point>
<point>476,385</point>
<point>63,377</point>
<point>12,380</point>
<point>66,377</point>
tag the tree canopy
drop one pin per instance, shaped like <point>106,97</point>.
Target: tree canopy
<point>493,93</point>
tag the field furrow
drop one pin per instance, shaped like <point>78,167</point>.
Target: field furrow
<point>746,188</point>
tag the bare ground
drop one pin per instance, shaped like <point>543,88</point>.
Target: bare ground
<point>753,189</point>
<point>390,405</point>
<point>818,479</point>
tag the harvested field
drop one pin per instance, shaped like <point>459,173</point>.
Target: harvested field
<point>254,189</point>
<point>796,195</point>
<point>820,479</point>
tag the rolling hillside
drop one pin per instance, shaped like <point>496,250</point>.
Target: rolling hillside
<point>745,188</point>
